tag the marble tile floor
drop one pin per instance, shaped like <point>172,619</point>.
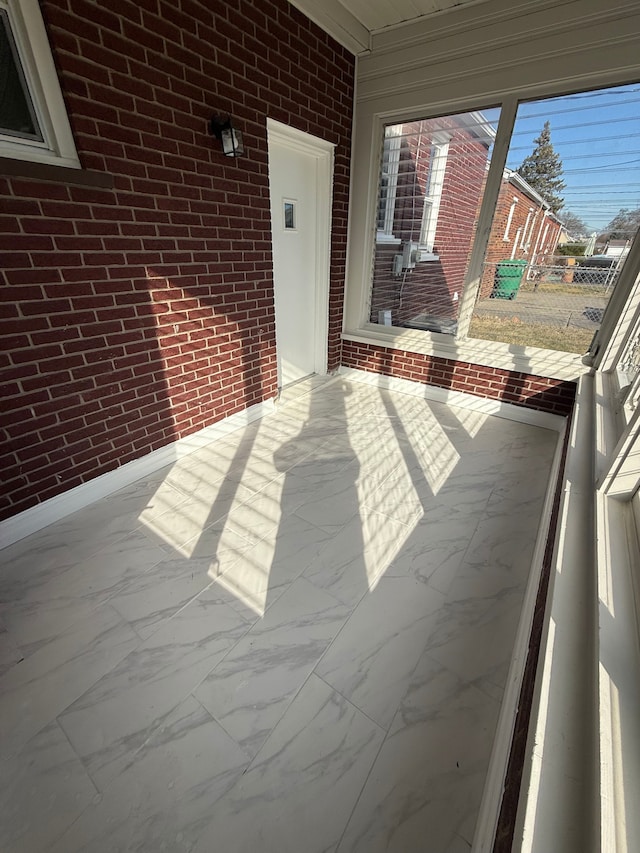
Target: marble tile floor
<point>295,639</point>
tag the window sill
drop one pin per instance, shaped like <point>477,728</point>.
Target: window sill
<point>49,172</point>
<point>537,362</point>
<point>426,255</point>
<point>388,239</point>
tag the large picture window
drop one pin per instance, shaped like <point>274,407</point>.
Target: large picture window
<point>556,228</point>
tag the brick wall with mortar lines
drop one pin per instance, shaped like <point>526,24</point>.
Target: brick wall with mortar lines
<point>432,287</point>
<point>536,392</point>
<point>137,315</point>
<point>526,231</point>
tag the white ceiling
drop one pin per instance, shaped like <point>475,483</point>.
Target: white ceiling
<point>352,22</point>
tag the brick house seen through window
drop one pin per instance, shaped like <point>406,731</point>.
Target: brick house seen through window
<point>431,181</point>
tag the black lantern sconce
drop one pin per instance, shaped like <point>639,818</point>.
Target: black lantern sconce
<point>231,139</point>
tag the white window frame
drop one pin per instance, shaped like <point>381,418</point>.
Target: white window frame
<point>512,210</point>
<point>524,243</point>
<point>617,513</point>
<point>357,326</point>
<point>392,139</point>
<point>433,190</point>
<point>543,242</point>
<point>32,45</point>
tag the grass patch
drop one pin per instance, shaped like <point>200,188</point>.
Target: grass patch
<point>561,287</point>
<point>511,330</point>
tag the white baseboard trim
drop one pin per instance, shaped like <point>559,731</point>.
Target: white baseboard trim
<point>511,412</point>
<point>40,516</point>
<point>35,518</point>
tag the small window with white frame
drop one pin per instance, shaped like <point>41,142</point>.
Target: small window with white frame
<point>524,244</point>
<point>507,228</point>
<point>433,191</point>
<point>33,119</point>
<point>388,183</point>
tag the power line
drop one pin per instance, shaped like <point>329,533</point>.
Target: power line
<point>591,155</point>
<point>590,141</point>
<point>567,109</point>
<point>596,93</point>
<point>599,169</point>
<point>580,125</point>
<point>605,191</point>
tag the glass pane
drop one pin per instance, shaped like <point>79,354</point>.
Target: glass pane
<point>568,209</point>
<point>17,117</point>
<point>432,178</point>
<point>289,215</point>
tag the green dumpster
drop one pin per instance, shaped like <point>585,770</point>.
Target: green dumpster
<point>507,279</point>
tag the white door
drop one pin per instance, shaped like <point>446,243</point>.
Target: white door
<point>298,167</point>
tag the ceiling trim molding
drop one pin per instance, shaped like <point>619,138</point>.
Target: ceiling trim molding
<point>463,17</point>
<point>442,71</point>
<point>334,19</point>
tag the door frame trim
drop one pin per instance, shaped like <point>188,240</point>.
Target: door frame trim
<point>323,152</point>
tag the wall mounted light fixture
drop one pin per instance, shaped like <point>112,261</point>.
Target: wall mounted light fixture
<point>231,139</point>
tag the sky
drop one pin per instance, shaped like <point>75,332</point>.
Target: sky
<point>597,136</point>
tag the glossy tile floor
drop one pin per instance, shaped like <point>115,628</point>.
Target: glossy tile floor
<point>294,639</point>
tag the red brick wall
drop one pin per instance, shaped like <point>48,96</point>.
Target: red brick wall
<point>535,249</point>
<point>536,392</point>
<point>136,315</point>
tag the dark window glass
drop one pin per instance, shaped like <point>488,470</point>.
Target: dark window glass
<point>17,116</point>
<point>289,216</point>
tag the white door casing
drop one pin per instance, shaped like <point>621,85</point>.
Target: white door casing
<point>300,178</point>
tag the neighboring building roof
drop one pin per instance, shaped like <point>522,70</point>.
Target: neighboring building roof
<point>479,125</point>
<point>517,180</point>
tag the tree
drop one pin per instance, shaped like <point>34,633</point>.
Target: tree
<point>575,226</point>
<point>542,170</point>
<point>624,225</point>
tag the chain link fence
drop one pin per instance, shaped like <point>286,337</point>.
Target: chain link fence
<point>556,305</point>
